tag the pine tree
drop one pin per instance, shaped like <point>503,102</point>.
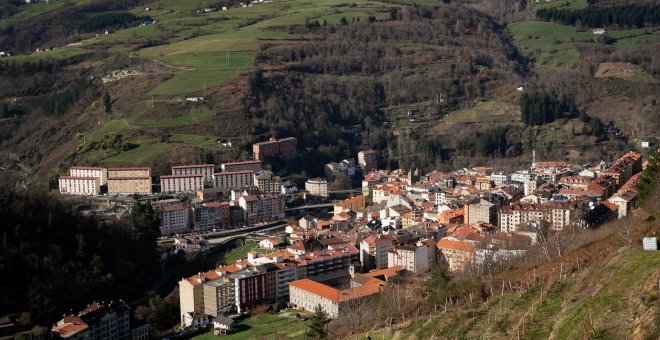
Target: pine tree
<point>317,323</point>
<point>107,102</point>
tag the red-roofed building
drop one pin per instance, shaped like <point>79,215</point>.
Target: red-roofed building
<point>457,253</point>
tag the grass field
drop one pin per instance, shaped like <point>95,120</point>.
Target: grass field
<point>264,326</point>
<point>190,117</point>
<point>553,45</point>
<point>562,4</point>
<point>239,253</point>
<point>58,53</point>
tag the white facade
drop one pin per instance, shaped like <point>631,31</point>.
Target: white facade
<point>233,180</point>
<point>204,169</point>
<point>181,183</point>
<point>414,258</point>
<point>317,187</point>
<point>85,171</point>
<point>79,185</point>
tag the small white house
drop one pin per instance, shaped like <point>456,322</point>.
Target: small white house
<point>223,325</point>
<point>270,243</point>
<point>519,89</point>
<point>646,145</point>
<point>598,31</point>
<point>195,320</point>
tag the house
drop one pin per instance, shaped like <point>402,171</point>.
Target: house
<point>223,325</point>
<point>196,320</point>
<point>598,31</point>
<point>458,254</point>
<point>270,243</point>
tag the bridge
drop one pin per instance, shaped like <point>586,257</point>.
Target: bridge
<point>242,233</point>
<point>345,191</point>
<point>312,206</point>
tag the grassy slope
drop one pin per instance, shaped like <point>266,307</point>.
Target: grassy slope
<point>265,326</point>
<point>613,294</point>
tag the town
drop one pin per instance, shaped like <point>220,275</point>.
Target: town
<point>338,254</point>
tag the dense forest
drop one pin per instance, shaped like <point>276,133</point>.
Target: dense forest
<point>624,15</point>
<point>52,259</point>
<point>346,74</point>
<point>541,108</point>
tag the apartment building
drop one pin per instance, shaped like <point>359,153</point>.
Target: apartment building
<point>202,169</point>
<point>89,171</point>
<point>317,187</point>
<point>218,296</point>
<point>241,166</point>
<point>129,172</point>
<point>211,215</point>
<point>624,168</point>
<point>175,218</point>
<point>129,185</point>
<point>285,148</point>
<point>97,321</point>
<point>307,295</point>
<point>267,182</point>
<point>346,167</point>
<point>373,251</point>
<point>356,203</point>
<point>368,160</point>
<point>259,208</point>
<point>171,184</point>
<point>458,254</point>
<point>558,214</point>
<point>69,185</point>
<point>128,181</point>
<point>481,210</point>
<point>417,257</point>
<point>233,180</point>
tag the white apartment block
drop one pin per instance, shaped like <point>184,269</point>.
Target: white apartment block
<point>181,183</point>
<point>241,166</point>
<point>175,218</point>
<point>89,171</point>
<point>414,257</point>
<point>79,185</point>
<point>317,187</point>
<point>233,180</point>
<point>203,169</point>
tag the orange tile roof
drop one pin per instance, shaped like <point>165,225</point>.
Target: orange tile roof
<point>387,272</point>
<point>334,294</point>
<point>445,243</point>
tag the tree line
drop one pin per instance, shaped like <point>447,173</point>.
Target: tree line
<point>626,15</point>
<point>57,104</point>
<point>538,108</point>
<point>55,260</point>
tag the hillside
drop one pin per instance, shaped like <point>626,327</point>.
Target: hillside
<point>607,289</point>
<point>319,66</point>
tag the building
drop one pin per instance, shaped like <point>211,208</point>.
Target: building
<point>624,168</point>
<point>267,182</point>
<point>346,167</point>
<point>307,294</point>
<point>219,296</point>
<point>557,214</point>
<point>129,172</point>
<point>417,257</point>
<point>227,181</point>
<point>317,187</point>
<point>69,185</point>
<point>356,203</point>
<point>481,210</point>
<point>241,166</point>
<point>211,215</point>
<point>205,170</point>
<point>368,161</point>
<point>458,254</point>
<point>171,184</point>
<point>373,251</point>
<point>223,325</point>
<point>260,208</point>
<point>129,181</point>
<point>129,185</point>
<point>285,148</point>
<point>88,171</point>
<point>97,321</point>
<point>175,218</point>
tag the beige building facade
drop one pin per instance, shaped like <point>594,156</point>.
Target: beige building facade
<point>317,187</point>
<point>129,172</point>
<point>129,185</point>
<point>89,171</point>
<point>205,170</point>
<point>233,180</point>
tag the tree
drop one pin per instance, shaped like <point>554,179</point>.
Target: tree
<point>145,221</point>
<point>107,102</point>
<point>317,323</point>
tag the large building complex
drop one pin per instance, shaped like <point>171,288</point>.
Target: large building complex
<point>128,181</point>
<point>202,169</point>
<point>241,166</point>
<point>285,148</point>
<point>317,187</point>
<point>181,183</point>
<point>261,208</point>
<point>227,181</point>
<point>89,171</point>
<point>79,185</point>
